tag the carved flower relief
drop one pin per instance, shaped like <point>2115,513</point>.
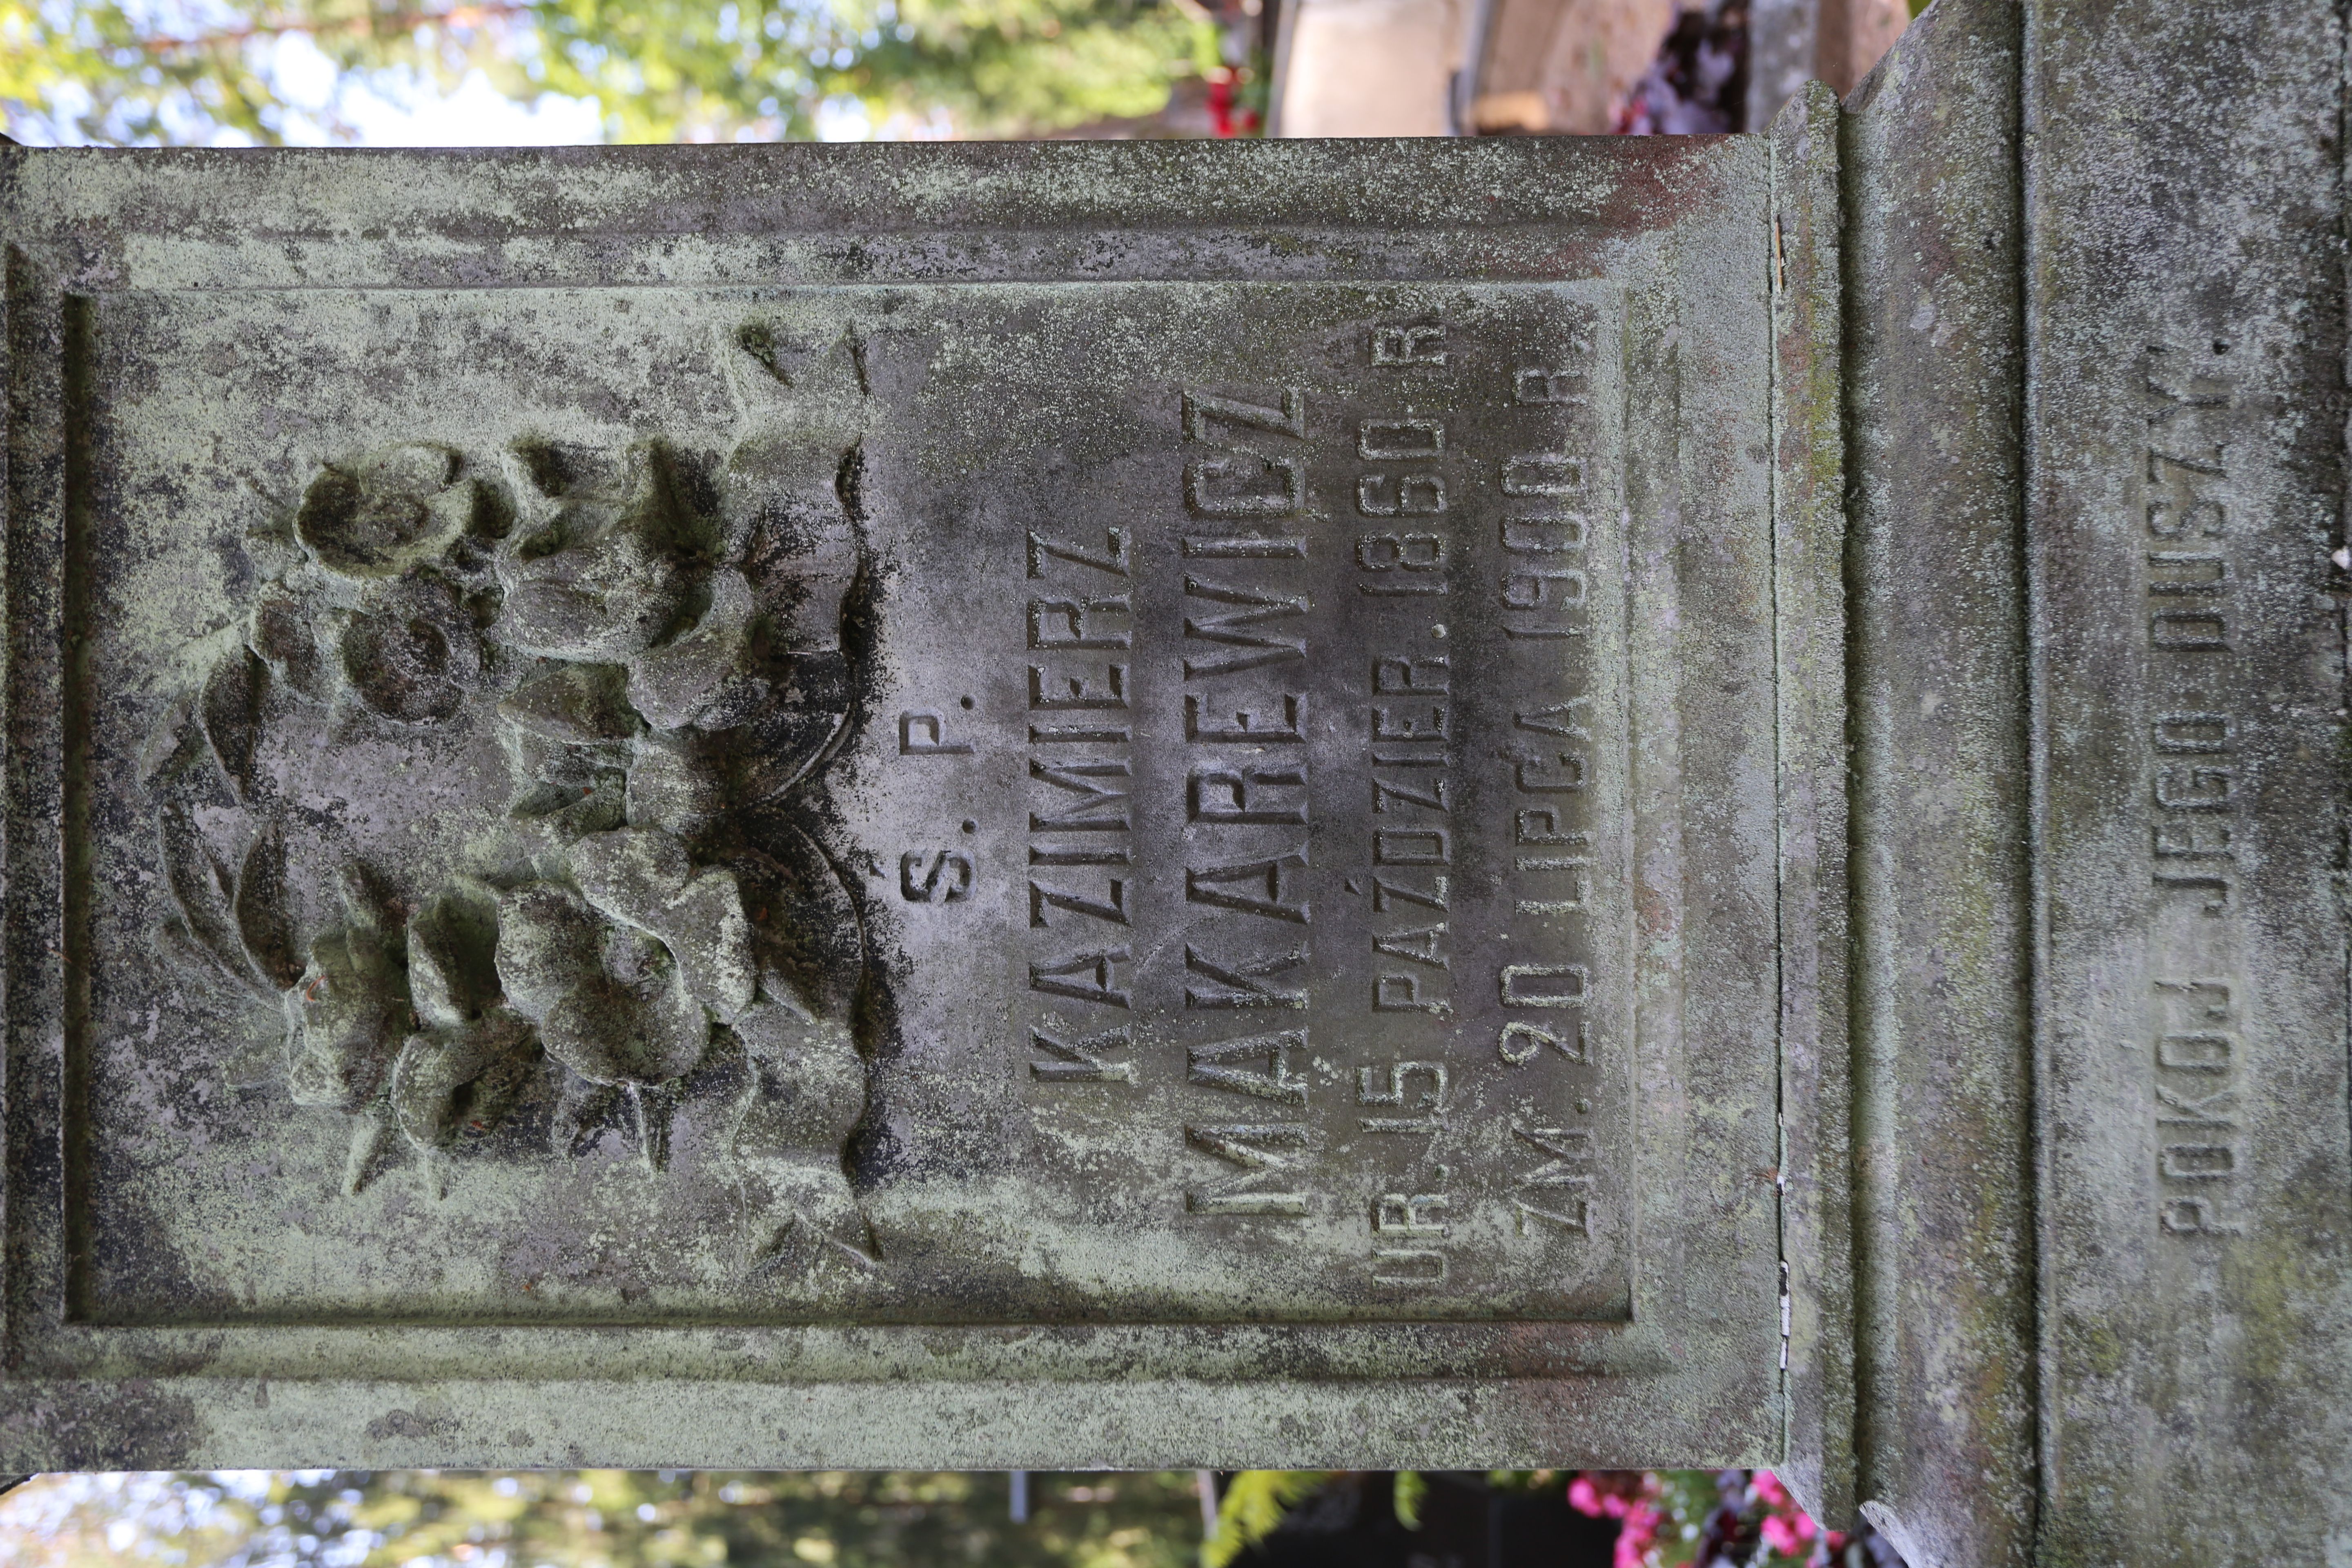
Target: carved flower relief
<point>388,511</point>
<point>413,652</point>
<point>617,972</point>
<point>624,976</point>
<point>568,732</point>
<point>688,638</point>
<point>712,686</point>
<point>799,1083</point>
<point>377,603</point>
<point>472,1054</point>
<point>712,647</point>
<point>602,568</point>
<point>347,1014</point>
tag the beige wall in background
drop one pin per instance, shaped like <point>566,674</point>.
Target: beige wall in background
<point>1564,66</point>
<point>1854,34</point>
<point>1384,67</point>
<point>1370,68</point>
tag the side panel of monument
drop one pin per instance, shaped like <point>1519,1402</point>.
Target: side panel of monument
<point>2095,298</point>
<point>1943,1214</point>
<point>800,806</point>
<point>2186,314</point>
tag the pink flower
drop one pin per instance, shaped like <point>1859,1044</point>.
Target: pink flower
<point>1638,1534</point>
<point>1593,1503</point>
<point>1788,1535</point>
<point>1787,1527</point>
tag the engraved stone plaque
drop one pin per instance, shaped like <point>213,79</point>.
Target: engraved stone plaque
<point>927,804</point>
<point>751,818</point>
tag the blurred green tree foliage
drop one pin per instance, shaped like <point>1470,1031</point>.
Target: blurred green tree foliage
<point>601,1519</point>
<point>129,71</point>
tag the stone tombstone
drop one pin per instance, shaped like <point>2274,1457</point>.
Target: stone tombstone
<point>1401,805</point>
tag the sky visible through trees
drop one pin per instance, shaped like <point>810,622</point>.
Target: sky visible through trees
<point>128,72</point>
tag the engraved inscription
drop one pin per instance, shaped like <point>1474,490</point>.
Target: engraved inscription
<point>1080,822</point>
<point>2196,824</point>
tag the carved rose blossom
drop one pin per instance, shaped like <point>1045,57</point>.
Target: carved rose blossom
<point>609,1001</point>
<point>602,568</point>
<point>376,601</point>
<point>386,512</point>
<point>411,653</point>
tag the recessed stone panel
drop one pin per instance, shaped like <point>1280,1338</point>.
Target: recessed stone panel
<point>892,803</point>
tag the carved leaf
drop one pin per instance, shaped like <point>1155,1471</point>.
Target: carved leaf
<point>364,1158</point>
<point>264,917</point>
<point>453,975</point>
<point>811,1084</point>
<point>284,638</point>
<point>348,1017</point>
<point>563,815</point>
<point>804,927</point>
<point>202,890</point>
<point>653,1108</point>
<point>797,386</point>
<point>583,1112</point>
<point>823,1224</point>
<point>176,942</point>
<point>365,903</point>
<point>683,680</point>
<point>232,1013</point>
<point>574,704</point>
<point>611,1033</point>
<point>676,783</point>
<point>413,656</point>
<point>801,561</point>
<point>803,718</point>
<point>176,755</point>
<point>233,701</point>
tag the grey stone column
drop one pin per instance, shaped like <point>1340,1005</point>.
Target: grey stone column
<point>2185,320</point>
<point>1782,42</point>
<point>1943,1202</point>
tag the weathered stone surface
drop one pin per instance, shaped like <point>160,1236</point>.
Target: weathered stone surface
<point>661,779</point>
<point>1534,803</point>
<point>2186,448</point>
<point>1809,538</point>
<point>1147,795</point>
<point>1940,872</point>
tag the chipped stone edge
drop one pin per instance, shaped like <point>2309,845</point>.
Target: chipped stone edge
<point>1809,622</point>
